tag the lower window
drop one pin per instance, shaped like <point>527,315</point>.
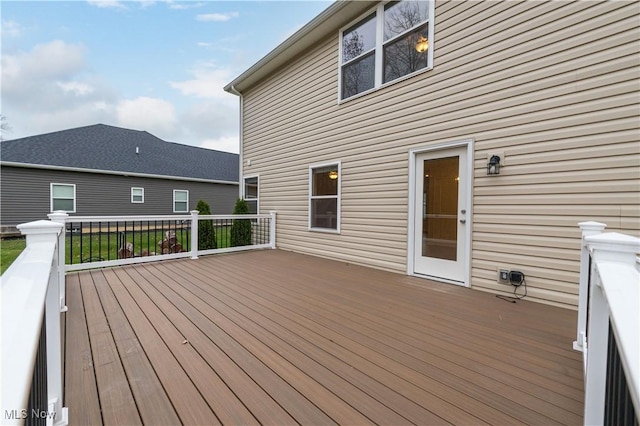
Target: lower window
<point>324,197</point>
<point>180,201</point>
<point>63,197</point>
<point>250,193</point>
<point>137,195</point>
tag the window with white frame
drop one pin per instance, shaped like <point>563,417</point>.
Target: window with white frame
<point>391,42</point>
<point>180,201</point>
<point>63,197</point>
<point>250,193</point>
<point>324,197</point>
<point>137,195</point>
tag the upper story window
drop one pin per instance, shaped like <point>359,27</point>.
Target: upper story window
<point>137,195</point>
<point>390,43</point>
<point>63,197</point>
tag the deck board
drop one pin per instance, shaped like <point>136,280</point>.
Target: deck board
<point>116,400</point>
<point>275,337</point>
<point>153,403</point>
<point>82,395</point>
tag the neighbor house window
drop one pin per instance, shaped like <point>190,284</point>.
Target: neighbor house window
<point>324,197</point>
<point>180,201</point>
<point>137,195</point>
<point>250,193</point>
<point>391,42</point>
<point>63,197</point>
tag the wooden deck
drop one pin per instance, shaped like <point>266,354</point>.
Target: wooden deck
<point>274,337</point>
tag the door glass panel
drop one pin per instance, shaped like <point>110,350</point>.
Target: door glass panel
<point>440,208</point>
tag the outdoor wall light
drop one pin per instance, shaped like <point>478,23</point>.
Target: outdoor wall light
<point>493,166</point>
<point>422,45</point>
<point>333,175</point>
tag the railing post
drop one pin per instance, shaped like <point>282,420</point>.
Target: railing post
<point>606,248</point>
<point>587,228</point>
<point>272,229</point>
<point>57,414</point>
<point>194,234</point>
<point>60,216</point>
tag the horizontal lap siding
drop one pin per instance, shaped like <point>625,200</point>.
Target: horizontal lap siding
<point>26,194</point>
<point>553,86</point>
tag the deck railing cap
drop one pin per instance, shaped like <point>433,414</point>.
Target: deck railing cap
<point>613,241</point>
<point>40,227</point>
<point>58,216</point>
<point>592,226</point>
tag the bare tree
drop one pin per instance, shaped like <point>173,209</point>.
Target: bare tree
<point>4,126</point>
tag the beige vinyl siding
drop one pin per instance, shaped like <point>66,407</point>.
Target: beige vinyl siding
<point>552,85</point>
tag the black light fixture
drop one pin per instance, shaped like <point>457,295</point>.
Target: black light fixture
<point>493,166</point>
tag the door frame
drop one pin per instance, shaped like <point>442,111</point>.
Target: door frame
<point>413,154</point>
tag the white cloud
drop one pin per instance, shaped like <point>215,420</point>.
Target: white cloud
<point>30,78</point>
<point>225,143</point>
<point>154,115</point>
<point>208,82</point>
<point>217,17</point>
<point>52,59</point>
<point>113,4</point>
<point>11,29</point>
<point>77,88</point>
<point>184,6</point>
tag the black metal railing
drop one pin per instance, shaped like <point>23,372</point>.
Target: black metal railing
<point>618,407</point>
<point>231,232</point>
<point>111,240</point>
<point>38,405</point>
<point>90,241</point>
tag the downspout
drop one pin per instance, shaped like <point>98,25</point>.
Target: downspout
<point>233,90</point>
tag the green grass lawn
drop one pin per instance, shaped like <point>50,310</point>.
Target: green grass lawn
<point>10,249</point>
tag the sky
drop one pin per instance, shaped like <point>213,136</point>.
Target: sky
<point>158,66</point>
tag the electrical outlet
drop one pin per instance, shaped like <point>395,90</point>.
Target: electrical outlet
<point>503,275</point>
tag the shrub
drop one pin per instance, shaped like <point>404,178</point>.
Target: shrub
<point>241,228</point>
<point>206,230</point>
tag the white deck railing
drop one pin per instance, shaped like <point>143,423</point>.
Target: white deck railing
<point>263,228</point>
<point>30,302</point>
<point>608,324</point>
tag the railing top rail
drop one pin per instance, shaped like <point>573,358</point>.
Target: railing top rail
<point>23,301</point>
<point>234,216</point>
<point>125,218</point>
<point>142,218</point>
<point>620,284</point>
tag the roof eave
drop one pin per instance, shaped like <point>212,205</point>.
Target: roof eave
<point>331,19</point>
<point>114,172</point>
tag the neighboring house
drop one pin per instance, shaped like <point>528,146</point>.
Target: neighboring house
<point>103,170</point>
<point>371,130</point>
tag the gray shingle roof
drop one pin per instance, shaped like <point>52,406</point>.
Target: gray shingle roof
<point>102,147</point>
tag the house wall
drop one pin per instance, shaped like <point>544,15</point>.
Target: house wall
<point>25,194</point>
<point>552,85</point>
